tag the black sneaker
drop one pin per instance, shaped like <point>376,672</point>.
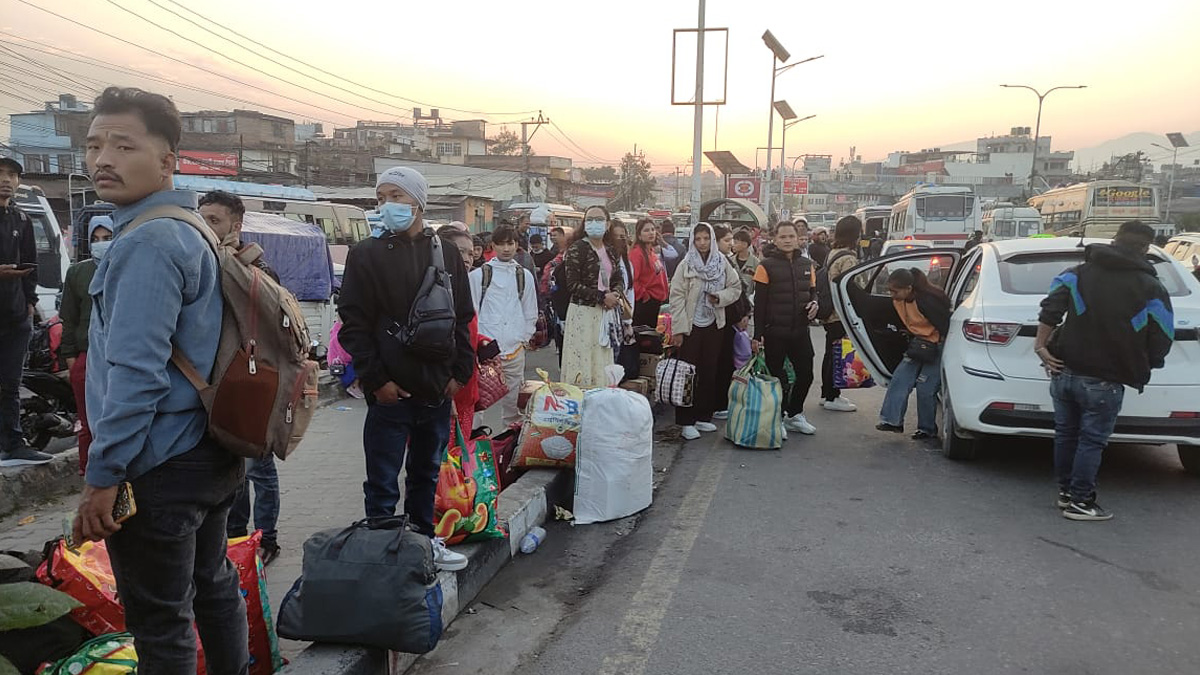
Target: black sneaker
<point>1064,499</point>
<point>24,456</point>
<point>884,426</point>
<point>924,436</point>
<point>1085,511</point>
<point>268,551</point>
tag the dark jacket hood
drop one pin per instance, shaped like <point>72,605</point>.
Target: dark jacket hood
<point>1113,258</point>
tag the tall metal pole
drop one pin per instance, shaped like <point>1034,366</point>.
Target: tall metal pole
<point>698,121</point>
<point>1037,132</point>
<point>1171,183</point>
<point>782,161</point>
<point>525,163</point>
<point>770,138</point>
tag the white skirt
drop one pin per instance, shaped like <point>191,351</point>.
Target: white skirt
<point>583,359</point>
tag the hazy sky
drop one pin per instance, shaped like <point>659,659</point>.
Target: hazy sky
<point>895,75</point>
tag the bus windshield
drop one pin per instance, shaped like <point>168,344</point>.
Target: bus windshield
<point>945,207</point>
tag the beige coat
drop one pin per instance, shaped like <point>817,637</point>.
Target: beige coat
<point>685,294</point>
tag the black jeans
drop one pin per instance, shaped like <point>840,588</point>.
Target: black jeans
<point>390,433</point>
<point>797,348</point>
<point>171,567</point>
<point>834,332</point>
<point>701,348</point>
<point>14,342</point>
<point>645,312</point>
<point>724,369</point>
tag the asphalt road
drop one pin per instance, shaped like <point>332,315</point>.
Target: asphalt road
<point>857,552</point>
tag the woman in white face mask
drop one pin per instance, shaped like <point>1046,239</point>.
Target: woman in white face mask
<point>75,313</point>
<point>596,284</point>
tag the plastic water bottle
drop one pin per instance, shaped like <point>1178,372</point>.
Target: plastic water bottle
<point>531,541</point>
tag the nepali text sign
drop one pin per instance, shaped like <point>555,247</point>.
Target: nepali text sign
<point>795,186</point>
<point>743,187</point>
<point>205,163</point>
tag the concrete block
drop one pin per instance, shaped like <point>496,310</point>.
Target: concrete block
<point>22,487</point>
<point>321,659</point>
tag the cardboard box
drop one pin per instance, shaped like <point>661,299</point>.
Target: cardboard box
<point>639,385</point>
<point>647,363</point>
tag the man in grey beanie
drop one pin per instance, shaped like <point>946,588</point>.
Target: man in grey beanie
<point>408,396</point>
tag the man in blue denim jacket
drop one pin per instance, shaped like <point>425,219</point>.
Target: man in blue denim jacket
<point>158,287</point>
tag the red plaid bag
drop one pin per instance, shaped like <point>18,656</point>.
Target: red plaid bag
<point>492,386</point>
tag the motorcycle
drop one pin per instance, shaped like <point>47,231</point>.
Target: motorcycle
<point>47,400</point>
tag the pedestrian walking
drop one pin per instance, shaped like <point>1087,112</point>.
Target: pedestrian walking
<point>468,395</point>
<point>744,260</point>
<point>924,310</point>
<point>650,283</point>
<point>844,255</point>
<point>704,284</point>
<point>409,383</point>
<point>785,301</point>
<point>157,290</point>
<point>625,351</point>
<point>1118,326</point>
<point>18,304</point>
<point>558,239</point>
<point>734,315</point>
<point>592,277</point>
<point>974,240</point>
<point>670,251</point>
<point>75,311</point>
<point>505,297</point>
<point>819,249</point>
<point>541,254</point>
<point>224,212</point>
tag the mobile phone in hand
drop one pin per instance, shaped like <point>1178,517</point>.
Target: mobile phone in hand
<point>21,267</point>
<point>124,507</point>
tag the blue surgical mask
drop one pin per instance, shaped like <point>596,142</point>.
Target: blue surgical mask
<point>595,228</point>
<point>99,248</point>
<point>396,217</point>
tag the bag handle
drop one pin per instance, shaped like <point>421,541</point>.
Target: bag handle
<point>398,523</point>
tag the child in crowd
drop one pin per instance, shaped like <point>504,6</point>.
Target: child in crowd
<point>741,343</point>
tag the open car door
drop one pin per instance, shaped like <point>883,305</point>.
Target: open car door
<point>862,300</point>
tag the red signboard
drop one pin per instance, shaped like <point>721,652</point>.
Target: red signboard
<point>205,163</point>
<point>743,187</point>
<point>795,186</point>
<point>922,168</point>
<point>598,191</point>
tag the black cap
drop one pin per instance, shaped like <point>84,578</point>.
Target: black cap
<point>11,163</point>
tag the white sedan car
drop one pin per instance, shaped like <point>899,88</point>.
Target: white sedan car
<point>992,382</point>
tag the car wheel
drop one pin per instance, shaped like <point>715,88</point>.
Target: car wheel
<point>1189,456</point>
<point>955,446</point>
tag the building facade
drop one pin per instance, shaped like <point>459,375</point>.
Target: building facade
<point>51,140</point>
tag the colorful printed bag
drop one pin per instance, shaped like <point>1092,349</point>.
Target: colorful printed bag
<point>552,423</point>
<point>111,654</point>
<point>467,492</point>
<point>755,407</point>
<point>849,372</point>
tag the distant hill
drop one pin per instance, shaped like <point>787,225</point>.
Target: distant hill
<point>1088,158</point>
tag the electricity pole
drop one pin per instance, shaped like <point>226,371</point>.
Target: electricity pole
<point>525,138</point>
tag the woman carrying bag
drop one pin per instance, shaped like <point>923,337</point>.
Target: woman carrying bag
<point>704,284</point>
<point>596,286</point>
<point>650,283</point>
<point>925,312</point>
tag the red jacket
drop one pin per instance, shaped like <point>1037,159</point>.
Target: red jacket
<point>649,277</point>
<point>464,400</point>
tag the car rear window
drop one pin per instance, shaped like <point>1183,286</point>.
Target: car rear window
<point>1032,273</point>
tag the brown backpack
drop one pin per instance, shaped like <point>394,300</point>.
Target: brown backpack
<point>263,392</point>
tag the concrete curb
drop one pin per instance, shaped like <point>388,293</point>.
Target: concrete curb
<point>523,506</point>
<point>22,487</point>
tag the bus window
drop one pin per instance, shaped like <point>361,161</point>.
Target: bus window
<point>360,229</point>
<point>331,230</point>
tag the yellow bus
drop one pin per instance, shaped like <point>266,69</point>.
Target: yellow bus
<point>1096,209</point>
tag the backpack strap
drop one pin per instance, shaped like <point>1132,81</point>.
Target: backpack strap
<point>191,218</point>
<point>487,281</point>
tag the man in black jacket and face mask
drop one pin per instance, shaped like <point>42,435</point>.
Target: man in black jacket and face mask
<point>1119,326</point>
<point>408,395</point>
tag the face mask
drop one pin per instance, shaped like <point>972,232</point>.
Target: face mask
<point>99,248</point>
<point>595,228</point>
<point>396,217</point>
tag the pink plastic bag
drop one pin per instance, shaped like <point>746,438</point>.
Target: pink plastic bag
<point>336,353</point>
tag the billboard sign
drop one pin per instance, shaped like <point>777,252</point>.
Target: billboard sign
<point>743,187</point>
<point>205,163</point>
<point>795,186</point>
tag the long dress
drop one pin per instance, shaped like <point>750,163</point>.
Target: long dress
<point>584,358</point>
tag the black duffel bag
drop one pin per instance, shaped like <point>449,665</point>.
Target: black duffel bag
<point>372,584</point>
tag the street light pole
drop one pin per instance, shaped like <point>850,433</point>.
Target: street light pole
<point>698,123</point>
<point>1037,131</point>
<point>1171,181</point>
<point>780,54</point>
<point>787,124</point>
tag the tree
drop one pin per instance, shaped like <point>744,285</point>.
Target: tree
<point>600,174</point>
<point>506,143</point>
<point>636,185</point>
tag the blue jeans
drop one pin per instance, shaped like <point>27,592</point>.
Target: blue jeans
<point>171,568</point>
<point>1085,413</point>
<point>14,342</point>
<point>262,473</point>
<point>926,378</point>
<point>391,430</point>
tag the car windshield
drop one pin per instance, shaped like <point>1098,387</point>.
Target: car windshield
<point>1032,273</point>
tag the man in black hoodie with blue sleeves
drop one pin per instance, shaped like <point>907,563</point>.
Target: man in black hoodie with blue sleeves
<point>1119,326</point>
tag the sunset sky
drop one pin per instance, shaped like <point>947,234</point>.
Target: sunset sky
<point>895,75</point>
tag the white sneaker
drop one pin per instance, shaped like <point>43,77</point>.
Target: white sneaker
<point>785,429</point>
<point>721,415</point>
<point>706,427</point>
<point>839,404</point>
<point>690,433</point>
<point>445,559</point>
<point>799,423</point>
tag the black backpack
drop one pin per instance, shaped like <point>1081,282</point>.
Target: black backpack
<point>824,294</point>
<point>429,333</point>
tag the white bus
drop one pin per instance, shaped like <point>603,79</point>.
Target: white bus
<point>944,215</point>
<point>1003,220</point>
<point>874,220</point>
<point>1096,209</point>
<point>817,219</point>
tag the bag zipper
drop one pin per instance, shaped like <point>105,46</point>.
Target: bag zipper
<point>254,281</point>
<point>298,393</point>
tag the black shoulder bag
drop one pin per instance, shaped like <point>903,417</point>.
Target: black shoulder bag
<point>429,333</point>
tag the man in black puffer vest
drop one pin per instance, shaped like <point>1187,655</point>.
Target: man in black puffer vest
<point>785,301</point>
<point>1119,326</point>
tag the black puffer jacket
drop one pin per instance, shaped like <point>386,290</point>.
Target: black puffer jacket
<point>1119,320</point>
<point>381,282</point>
<point>783,289</point>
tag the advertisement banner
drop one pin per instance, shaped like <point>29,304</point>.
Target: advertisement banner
<point>598,191</point>
<point>795,186</point>
<point>1123,196</point>
<point>743,187</point>
<point>205,163</point>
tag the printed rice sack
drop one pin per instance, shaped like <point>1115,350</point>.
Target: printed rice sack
<point>552,423</point>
